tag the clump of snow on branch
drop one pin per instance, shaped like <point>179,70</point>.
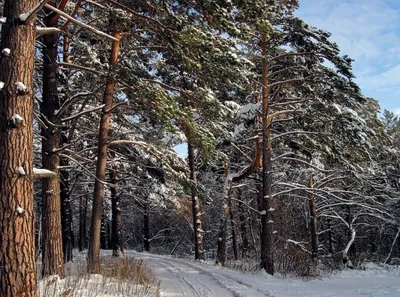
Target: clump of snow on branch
<point>6,52</point>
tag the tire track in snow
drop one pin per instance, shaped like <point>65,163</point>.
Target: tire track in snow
<point>235,287</point>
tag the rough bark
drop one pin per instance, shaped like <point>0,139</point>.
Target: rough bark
<point>313,223</point>
<point>52,249</point>
<point>83,202</point>
<point>196,209</point>
<point>267,201</point>
<point>116,225</point>
<point>98,196</point>
<point>17,221</point>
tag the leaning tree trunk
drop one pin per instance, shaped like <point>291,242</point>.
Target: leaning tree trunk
<point>98,196</point>
<point>267,201</point>
<point>17,218</point>
<point>116,223</point>
<point>196,210</point>
<point>52,249</point>
<point>313,222</point>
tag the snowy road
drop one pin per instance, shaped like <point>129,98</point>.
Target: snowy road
<point>185,278</point>
<point>180,277</point>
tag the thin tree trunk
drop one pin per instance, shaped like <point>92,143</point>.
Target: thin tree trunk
<point>17,219</point>
<point>233,229</point>
<point>103,232</point>
<point>52,248</point>
<point>313,223</point>
<point>66,210</point>
<point>243,229</point>
<point>221,244</point>
<point>98,196</point>
<point>330,239</point>
<point>196,209</point>
<point>389,257</point>
<point>146,225</point>
<point>83,202</point>
<point>267,200</point>
<point>116,229</point>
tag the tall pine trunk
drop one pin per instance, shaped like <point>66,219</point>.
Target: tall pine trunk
<point>196,211</point>
<point>116,223</point>
<point>98,196</point>
<point>267,202</point>
<point>17,219</point>
<point>52,249</point>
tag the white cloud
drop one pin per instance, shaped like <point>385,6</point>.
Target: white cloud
<point>396,111</point>
<point>367,31</point>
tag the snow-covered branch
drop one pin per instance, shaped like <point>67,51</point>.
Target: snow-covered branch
<point>73,20</point>
<point>42,173</point>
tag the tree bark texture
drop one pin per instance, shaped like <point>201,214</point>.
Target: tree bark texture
<point>98,196</point>
<point>196,209</point>
<point>116,223</point>
<point>52,248</point>
<point>267,201</point>
<point>17,218</point>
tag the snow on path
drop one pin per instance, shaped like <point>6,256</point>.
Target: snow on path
<point>181,277</point>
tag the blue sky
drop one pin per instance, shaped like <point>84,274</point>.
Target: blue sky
<point>369,32</point>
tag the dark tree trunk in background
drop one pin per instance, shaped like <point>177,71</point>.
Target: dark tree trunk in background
<point>243,229</point>
<point>103,233</point>
<point>313,223</point>
<point>52,247</point>
<point>146,225</point>
<point>233,229</point>
<point>222,235</point>
<point>116,228</point>
<point>83,203</point>
<point>66,210</point>
<point>17,220</point>
<point>98,195</point>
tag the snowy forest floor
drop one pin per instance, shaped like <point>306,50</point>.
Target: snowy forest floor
<point>181,277</point>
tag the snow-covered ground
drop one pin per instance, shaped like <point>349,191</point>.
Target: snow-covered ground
<point>180,277</point>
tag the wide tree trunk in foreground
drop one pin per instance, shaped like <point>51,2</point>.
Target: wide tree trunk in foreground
<point>17,232</point>
<point>98,196</point>
<point>52,249</point>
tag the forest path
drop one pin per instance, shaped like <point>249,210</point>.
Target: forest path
<point>194,279</point>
